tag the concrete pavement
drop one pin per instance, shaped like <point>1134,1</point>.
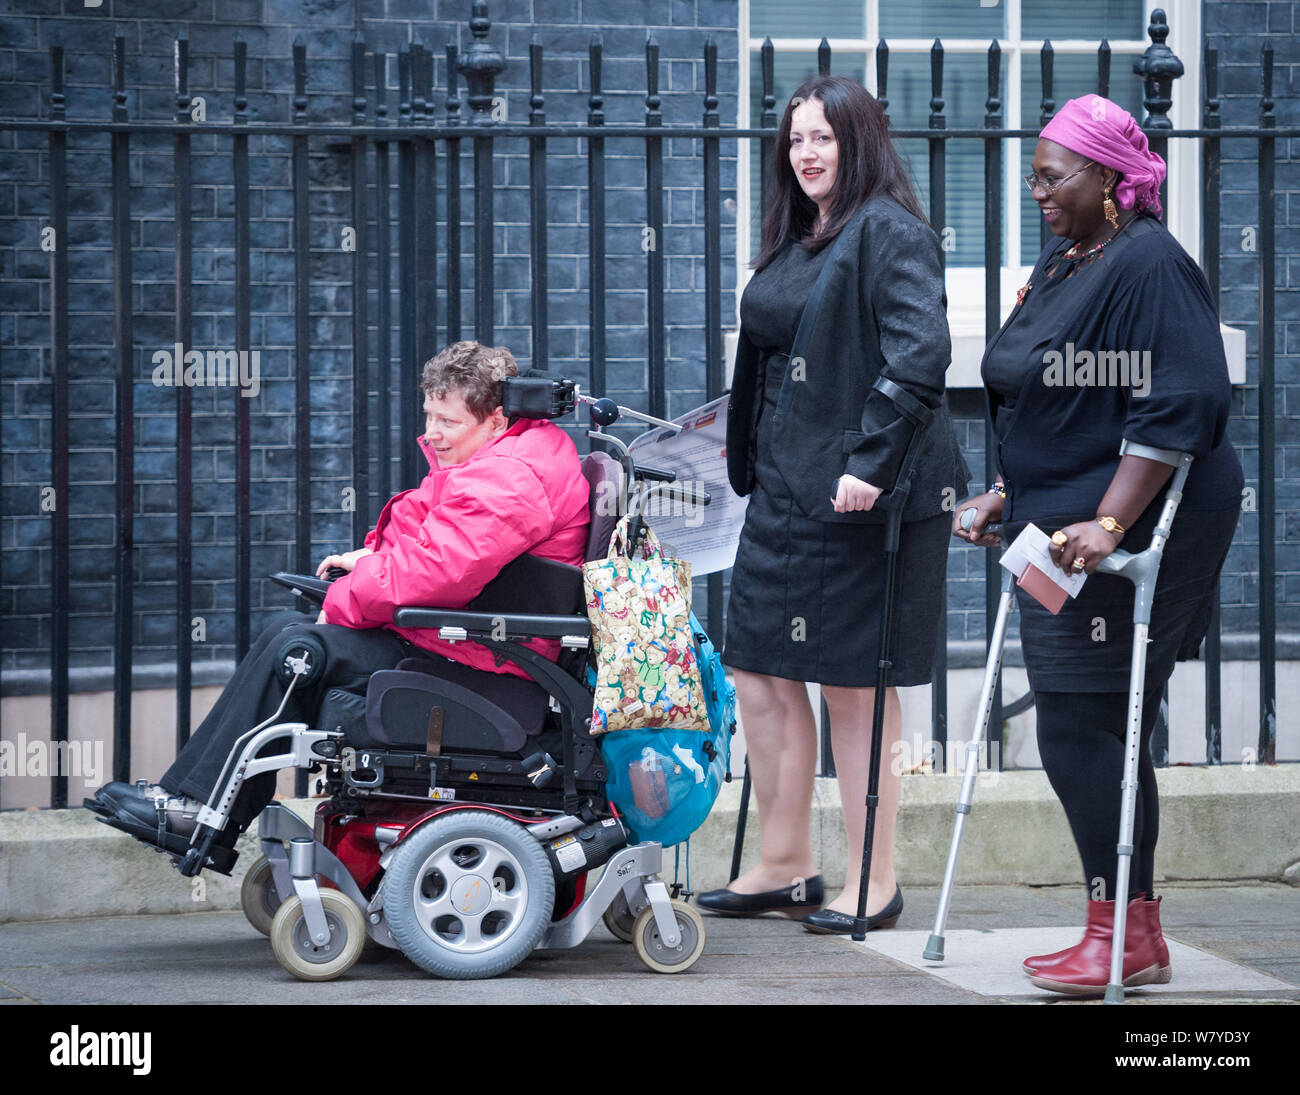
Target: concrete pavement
<point>1235,943</point>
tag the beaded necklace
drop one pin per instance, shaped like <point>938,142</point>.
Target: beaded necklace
<point>1074,259</point>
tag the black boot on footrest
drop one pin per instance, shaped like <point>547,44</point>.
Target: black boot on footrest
<point>112,796</point>
<point>142,821</point>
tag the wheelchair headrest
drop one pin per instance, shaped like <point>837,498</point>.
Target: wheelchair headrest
<point>604,475</point>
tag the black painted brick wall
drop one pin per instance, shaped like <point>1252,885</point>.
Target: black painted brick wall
<point>564,27</point>
<point>1240,30</point>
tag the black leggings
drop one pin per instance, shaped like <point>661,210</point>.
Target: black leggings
<point>1081,740</point>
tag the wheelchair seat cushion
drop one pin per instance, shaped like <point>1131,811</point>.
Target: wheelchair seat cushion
<point>343,710</point>
<point>475,711</point>
<point>523,700</point>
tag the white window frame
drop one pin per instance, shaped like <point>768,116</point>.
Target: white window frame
<point>965,285</point>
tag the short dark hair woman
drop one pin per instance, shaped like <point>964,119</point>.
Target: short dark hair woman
<point>808,580</point>
<point>495,490</point>
<point>1110,361</point>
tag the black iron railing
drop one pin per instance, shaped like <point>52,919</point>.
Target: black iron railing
<point>428,148</point>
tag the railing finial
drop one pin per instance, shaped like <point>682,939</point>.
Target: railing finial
<point>480,66</point>
<point>1158,67</point>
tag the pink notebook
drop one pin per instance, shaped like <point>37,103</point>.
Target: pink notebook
<point>1042,589</point>
<point>1029,558</point>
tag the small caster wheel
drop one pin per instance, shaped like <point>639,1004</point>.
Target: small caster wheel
<point>258,896</point>
<point>298,953</point>
<point>619,920</point>
<point>650,948</point>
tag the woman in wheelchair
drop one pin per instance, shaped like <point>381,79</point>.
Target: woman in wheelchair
<point>496,489</point>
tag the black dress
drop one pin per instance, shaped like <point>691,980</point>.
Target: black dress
<point>806,595</point>
<point>1087,646</point>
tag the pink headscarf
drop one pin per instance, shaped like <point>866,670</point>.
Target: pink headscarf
<point>1107,133</point>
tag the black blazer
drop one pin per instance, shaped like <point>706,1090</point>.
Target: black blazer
<point>883,315</point>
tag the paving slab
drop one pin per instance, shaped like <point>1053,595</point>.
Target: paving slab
<point>989,962</point>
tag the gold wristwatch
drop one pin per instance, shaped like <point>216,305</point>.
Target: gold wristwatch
<point>1111,525</point>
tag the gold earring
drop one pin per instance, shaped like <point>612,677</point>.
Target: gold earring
<point>1108,208</point>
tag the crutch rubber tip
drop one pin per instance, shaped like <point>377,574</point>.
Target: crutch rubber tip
<point>933,949</point>
<point>1114,994</point>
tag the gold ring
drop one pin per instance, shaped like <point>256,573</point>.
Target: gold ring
<point>1080,562</point>
<point>1059,538</point>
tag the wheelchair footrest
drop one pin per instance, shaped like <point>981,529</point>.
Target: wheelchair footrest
<point>222,860</point>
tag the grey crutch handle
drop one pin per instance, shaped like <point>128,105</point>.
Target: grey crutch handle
<point>1141,567</point>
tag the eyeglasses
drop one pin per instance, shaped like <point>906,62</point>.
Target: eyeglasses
<point>1033,181</point>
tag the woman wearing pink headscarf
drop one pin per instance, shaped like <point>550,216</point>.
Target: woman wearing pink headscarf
<point>1110,361</point>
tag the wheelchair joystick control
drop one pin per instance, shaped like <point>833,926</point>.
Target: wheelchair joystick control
<point>604,412</point>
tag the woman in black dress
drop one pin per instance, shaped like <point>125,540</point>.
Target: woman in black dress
<point>1110,362</point>
<point>815,444</point>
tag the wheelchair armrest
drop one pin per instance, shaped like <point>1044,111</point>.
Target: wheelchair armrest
<point>495,627</point>
<point>305,585</point>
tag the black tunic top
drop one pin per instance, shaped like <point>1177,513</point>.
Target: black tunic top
<point>773,301</point>
<point>1058,443</point>
<point>1055,290</point>
<point>1128,346</point>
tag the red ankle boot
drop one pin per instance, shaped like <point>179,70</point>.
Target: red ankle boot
<point>1086,968</point>
<point>1151,908</point>
<point>1036,962</point>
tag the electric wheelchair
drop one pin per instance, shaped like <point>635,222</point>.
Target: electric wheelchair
<point>466,808</point>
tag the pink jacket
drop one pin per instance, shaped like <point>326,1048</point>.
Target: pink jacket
<point>439,544</point>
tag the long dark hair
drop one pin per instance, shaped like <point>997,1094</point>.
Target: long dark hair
<point>869,166</point>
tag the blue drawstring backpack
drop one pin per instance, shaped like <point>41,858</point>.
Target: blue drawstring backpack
<point>664,782</point>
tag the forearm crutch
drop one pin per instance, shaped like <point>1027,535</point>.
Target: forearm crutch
<point>919,415</point>
<point>1141,569</point>
<point>934,947</point>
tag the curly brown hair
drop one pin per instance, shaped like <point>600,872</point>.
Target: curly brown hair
<point>476,371</point>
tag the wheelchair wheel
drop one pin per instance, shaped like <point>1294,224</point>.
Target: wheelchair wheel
<point>468,895</point>
<point>650,948</point>
<point>258,896</point>
<point>295,950</point>
<point>619,920</point>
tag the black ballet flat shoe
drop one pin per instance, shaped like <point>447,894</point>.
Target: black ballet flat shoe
<point>829,922</point>
<point>726,902</point>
